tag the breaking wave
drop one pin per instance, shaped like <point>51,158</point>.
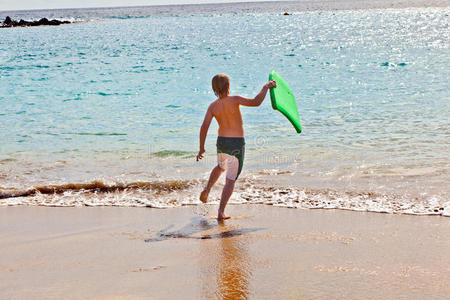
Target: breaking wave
<point>96,187</point>
<point>174,193</point>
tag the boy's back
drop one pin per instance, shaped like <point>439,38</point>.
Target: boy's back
<point>227,112</point>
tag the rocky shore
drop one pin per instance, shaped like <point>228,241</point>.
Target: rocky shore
<point>8,22</point>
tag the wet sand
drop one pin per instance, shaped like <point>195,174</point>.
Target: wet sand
<point>264,252</point>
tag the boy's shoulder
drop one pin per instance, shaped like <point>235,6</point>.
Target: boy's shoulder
<point>212,104</point>
<point>228,99</point>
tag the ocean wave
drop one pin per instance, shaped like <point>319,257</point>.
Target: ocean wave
<point>96,187</point>
<point>306,198</point>
<point>127,17</point>
<point>174,193</point>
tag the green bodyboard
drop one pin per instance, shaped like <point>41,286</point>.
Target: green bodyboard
<point>284,101</point>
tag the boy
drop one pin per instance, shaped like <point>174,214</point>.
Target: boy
<point>230,140</point>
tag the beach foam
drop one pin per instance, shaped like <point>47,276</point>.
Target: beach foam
<point>174,193</point>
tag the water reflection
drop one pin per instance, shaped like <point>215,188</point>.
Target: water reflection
<point>232,265</point>
<point>198,225</point>
<point>225,266</point>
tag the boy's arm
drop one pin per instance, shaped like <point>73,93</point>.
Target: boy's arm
<point>203,131</point>
<point>258,98</point>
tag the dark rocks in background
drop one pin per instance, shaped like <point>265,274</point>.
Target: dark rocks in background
<point>7,20</point>
<point>22,23</point>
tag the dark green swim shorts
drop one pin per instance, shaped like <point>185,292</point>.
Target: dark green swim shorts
<point>230,155</point>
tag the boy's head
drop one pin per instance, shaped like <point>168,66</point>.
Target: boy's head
<point>221,85</point>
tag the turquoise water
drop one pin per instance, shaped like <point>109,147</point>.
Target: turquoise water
<point>123,98</point>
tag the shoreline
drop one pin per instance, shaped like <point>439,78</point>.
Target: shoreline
<point>198,209</point>
<point>261,251</point>
<point>286,6</point>
<point>170,194</point>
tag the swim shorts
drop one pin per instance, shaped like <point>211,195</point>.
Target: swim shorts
<point>230,155</point>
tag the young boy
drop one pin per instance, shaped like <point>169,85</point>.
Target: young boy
<point>230,140</point>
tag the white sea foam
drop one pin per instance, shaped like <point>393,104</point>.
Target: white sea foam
<point>174,194</point>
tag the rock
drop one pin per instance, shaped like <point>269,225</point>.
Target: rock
<point>57,22</point>
<point>286,14</point>
<point>44,21</point>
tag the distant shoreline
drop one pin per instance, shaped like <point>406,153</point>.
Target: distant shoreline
<point>259,6</point>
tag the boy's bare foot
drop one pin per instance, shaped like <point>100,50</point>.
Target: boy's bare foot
<point>204,196</point>
<point>221,217</point>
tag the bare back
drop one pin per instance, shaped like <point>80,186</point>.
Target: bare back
<point>228,115</point>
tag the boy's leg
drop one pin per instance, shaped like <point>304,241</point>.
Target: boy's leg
<point>226,194</point>
<point>215,174</point>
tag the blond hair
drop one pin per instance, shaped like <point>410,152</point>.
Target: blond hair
<point>221,85</point>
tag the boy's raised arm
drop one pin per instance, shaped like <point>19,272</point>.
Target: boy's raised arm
<point>203,131</point>
<point>258,98</point>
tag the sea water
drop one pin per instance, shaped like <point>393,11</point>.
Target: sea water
<point>107,110</point>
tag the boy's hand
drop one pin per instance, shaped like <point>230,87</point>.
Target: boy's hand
<point>271,84</point>
<point>200,154</point>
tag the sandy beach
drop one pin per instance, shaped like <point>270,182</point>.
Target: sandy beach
<point>264,252</point>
